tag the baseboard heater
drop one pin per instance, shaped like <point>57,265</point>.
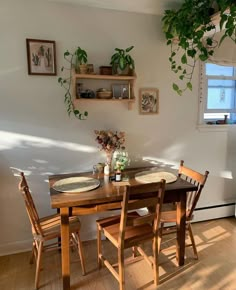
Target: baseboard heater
<point>214,211</point>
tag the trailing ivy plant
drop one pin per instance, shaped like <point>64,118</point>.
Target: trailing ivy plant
<point>72,60</point>
<point>190,34</point>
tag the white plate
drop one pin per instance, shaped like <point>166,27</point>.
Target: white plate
<point>155,176</point>
<point>76,184</point>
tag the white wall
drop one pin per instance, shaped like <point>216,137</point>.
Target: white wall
<point>39,138</point>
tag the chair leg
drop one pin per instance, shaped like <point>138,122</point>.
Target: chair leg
<point>81,254</point>
<point>155,264</point>
<point>38,264</point>
<point>192,241</point>
<point>160,236</point>
<point>121,268</point>
<point>134,252</point>
<point>32,257</point>
<point>99,247</point>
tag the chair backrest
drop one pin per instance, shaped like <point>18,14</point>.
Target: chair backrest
<point>133,199</point>
<point>197,179</point>
<point>30,206</point>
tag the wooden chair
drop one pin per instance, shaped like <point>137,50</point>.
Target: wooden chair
<point>130,230</point>
<point>47,229</point>
<point>169,216</point>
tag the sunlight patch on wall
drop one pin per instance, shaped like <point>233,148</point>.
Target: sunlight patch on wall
<point>226,174</point>
<point>13,140</point>
<point>161,162</point>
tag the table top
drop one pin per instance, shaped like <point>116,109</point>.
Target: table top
<point>106,192</point>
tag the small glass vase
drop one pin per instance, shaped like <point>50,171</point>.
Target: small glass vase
<point>109,157</point>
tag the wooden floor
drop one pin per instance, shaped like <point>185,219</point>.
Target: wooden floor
<point>215,269</point>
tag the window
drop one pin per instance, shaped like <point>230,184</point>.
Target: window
<point>218,94</point>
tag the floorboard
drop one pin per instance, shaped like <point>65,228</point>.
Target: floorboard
<point>215,269</point>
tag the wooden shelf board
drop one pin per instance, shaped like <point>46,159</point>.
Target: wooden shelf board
<point>104,77</point>
<point>112,100</point>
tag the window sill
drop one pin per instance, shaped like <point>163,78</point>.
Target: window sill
<point>215,128</point>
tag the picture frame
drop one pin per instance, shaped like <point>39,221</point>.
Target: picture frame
<point>148,101</point>
<point>90,68</point>
<point>41,57</point>
<point>121,91</point>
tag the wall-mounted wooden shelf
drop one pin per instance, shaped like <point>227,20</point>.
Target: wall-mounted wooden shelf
<point>116,78</point>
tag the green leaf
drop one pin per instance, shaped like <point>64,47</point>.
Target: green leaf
<point>191,52</point>
<point>76,112</point>
<point>209,41</point>
<point>169,36</point>
<point>66,53</point>
<point>181,77</point>
<point>129,48</point>
<point>222,20</point>
<point>122,63</point>
<point>184,59</point>
<point>203,57</point>
<point>86,113</point>
<point>59,80</point>
<point>189,86</point>
<point>199,34</point>
<point>175,87</point>
<point>180,92</point>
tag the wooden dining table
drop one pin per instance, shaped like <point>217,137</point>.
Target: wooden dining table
<point>108,197</point>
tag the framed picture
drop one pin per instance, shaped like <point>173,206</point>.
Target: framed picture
<point>148,101</point>
<point>90,69</point>
<point>121,91</point>
<point>41,56</point>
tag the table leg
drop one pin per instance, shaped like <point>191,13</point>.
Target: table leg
<point>181,222</point>
<point>65,247</point>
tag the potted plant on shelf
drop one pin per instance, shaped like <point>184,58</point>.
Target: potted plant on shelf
<point>72,59</point>
<point>122,62</point>
<point>190,33</point>
<point>81,60</point>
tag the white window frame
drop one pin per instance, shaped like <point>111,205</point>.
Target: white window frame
<point>203,88</point>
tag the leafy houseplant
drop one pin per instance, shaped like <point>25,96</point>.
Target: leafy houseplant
<point>122,60</point>
<point>72,59</point>
<point>81,59</point>
<point>190,34</point>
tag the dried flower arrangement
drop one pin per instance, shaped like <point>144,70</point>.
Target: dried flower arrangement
<point>109,141</point>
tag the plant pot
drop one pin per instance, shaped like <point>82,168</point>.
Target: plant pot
<point>126,72</point>
<point>83,68</point>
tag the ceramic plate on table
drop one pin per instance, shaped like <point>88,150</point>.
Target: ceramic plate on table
<point>76,184</point>
<point>155,176</point>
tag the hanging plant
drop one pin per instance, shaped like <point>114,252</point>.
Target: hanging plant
<point>73,59</point>
<point>190,33</point>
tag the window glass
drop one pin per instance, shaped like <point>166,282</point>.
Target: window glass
<point>220,98</point>
<point>218,94</point>
<point>219,70</point>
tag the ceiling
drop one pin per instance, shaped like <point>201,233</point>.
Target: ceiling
<point>156,7</point>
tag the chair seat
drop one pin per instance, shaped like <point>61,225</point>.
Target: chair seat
<point>171,216</point>
<point>51,226</point>
<point>111,228</point>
